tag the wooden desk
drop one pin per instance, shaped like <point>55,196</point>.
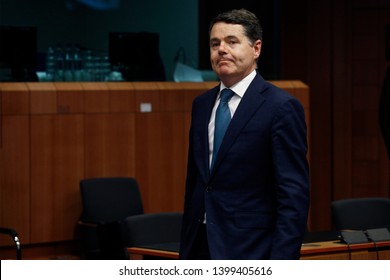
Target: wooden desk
<point>137,253</point>
<point>334,250</point>
<point>328,250</point>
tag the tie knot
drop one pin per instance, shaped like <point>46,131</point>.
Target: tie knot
<point>226,94</point>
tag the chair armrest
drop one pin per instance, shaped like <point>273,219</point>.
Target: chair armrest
<point>11,232</point>
<point>8,231</point>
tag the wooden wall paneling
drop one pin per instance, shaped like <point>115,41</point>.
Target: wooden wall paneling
<point>146,95</point>
<point>70,98</point>
<point>160,152</point>
<point>341,100</point>
<point>171,96</point>
<point>15,177</point>
<point>365,148</point>
<point>301,23</point>
<point>285,85</point>
<point>147,101</point>
<point>122,97</point>
<point>306,55</point>
<point>366,54</point>
<point>1,120</point>
<point>15,99</point>
<point>365,158</point>
<point>43,98</point>
<point>96,97</point>
<point>172,99</point>
<point>109,145</point>
<point>109,138</point>
<point>365,179</point>
<point>294,40</point>
<point>384,162</point>
<point>57,165</point>
<point>161,160</point>
<point>318,57</point>
<point>360,164</point>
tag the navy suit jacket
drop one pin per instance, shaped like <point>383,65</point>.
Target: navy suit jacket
<point>257,195</point>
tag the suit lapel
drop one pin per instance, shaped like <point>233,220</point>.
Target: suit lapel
<point>250,103</point>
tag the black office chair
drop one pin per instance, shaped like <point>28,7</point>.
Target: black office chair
<point>107,202</point>
<point>154,231</point>
<point>14,235</point>
<point>361,213</point>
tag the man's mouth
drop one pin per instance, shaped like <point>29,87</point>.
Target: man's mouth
<point>223,61</point>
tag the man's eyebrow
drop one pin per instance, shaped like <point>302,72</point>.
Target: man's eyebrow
<point>227,37</point>
<point>231,37</point>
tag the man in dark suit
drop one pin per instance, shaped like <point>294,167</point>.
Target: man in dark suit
<point>249,200</point>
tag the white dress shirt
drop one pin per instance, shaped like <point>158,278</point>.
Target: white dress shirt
<point>239,90</point>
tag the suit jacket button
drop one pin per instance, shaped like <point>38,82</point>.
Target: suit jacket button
<point>209,189</point>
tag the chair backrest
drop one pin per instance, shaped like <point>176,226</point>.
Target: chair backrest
<point>155,228</point>
<point>361,213</point>
<point>110,199</point>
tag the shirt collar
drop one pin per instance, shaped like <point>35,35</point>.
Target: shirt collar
<point>241,87</point>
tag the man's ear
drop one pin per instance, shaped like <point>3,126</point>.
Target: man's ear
<point>257,48</point>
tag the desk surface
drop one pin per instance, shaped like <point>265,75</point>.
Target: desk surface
<point>138,253</point>
<point>316,250</point>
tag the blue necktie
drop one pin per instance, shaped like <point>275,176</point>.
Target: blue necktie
<point>222,120</point>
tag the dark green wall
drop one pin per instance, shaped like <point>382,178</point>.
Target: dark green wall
<point>176,21</point>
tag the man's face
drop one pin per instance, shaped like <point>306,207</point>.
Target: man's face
<point>232,55</point>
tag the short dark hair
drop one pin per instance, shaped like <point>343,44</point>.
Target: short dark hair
<point>247,19</point>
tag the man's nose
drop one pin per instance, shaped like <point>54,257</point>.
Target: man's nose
<point>222,48</point>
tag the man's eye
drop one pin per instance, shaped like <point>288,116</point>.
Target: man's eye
<point>214,44</point>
